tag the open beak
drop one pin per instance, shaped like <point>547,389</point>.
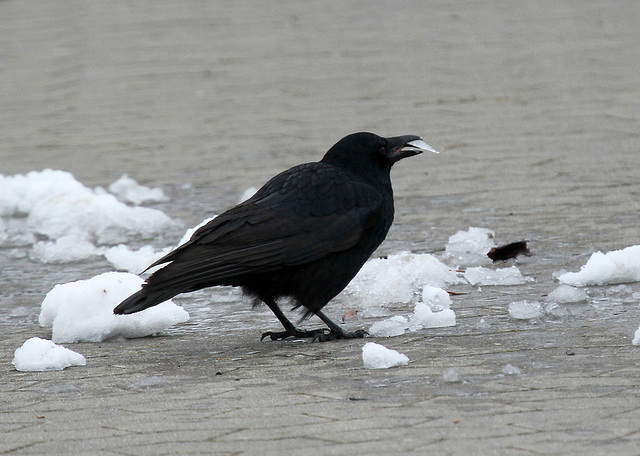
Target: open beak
<point>401,147</point>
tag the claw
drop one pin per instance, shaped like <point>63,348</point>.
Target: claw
<point>298,334</point>
<point>332,335</point>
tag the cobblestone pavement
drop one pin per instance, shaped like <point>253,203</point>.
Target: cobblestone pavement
<point>535,107</point>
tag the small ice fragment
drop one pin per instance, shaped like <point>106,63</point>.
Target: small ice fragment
<point>37,355</point>
<point>510,369</point>
<point>451,376</point>
<point>419,144</point>
<point>565,294</point>
<point>505,276</point>
<point>617,266</point>
<point>391,327</point>
<point>130,191</point>
<point>424,317</point>
<point>525,310</point>
<point>636,337</point>
<point>376,356</point>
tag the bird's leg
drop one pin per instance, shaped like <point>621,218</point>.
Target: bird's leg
<point>336,331</point>
<point>289,329</point>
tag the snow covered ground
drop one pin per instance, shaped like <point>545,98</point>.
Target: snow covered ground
<point>59,221</point>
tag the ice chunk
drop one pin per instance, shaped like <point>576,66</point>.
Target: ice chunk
<point>65,249</point>
<point>451,375</point>
<point>469,248</point>
<point>525,310</point>
<point>565,294</point>
<point>617,266</point>
<point>436,298</point>
<point>391,327</point>
<point>636,337</point>
<point>82,311</point>
<point>485,276</point>
<point>398,278</point>
<point>376,356</point>
<point>127,189</point>
<point>509,369</point>
<point>38,355</point>
<point>424,317</point>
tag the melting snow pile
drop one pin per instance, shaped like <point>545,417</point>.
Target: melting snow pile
<point>38,355</point>
<point>74,218</point>
<point>618,266</point>
<point>82,311</point>
<point>376,356</point>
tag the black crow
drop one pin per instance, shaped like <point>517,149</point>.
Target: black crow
<point>304,235</point>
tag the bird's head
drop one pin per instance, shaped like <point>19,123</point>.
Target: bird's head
<point>361,151</point>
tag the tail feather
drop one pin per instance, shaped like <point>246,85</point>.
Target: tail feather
<point>141,300</point>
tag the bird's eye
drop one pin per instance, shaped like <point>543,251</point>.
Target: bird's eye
<point>382,150</point>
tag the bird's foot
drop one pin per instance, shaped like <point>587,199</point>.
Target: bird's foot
<point>314,334</point>
<point>335,335</point>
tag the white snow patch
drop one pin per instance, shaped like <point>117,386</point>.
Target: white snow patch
<point>617,266</point>
<point>566,294</point>
<point>74,218</point>
<point>82,311</point>
<point>376,356</point>
<point>38,355</point>
<point>480,275</point>
<point>525,310</point>
<point>127,189</point>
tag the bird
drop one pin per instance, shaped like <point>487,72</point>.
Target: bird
<point>303,236</point>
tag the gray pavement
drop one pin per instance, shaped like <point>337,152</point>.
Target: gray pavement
<point>535,107</point>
